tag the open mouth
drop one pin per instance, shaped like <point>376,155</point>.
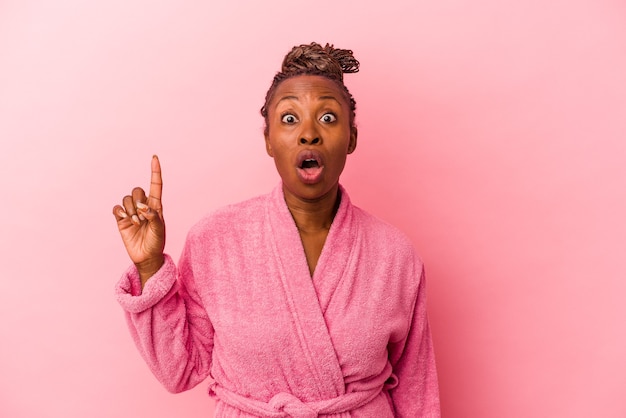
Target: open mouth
<point>309,163</point>
<point>310,166</point>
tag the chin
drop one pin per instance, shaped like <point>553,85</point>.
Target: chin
<point>305,191</point>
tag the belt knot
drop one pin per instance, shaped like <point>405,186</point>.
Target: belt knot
<point>293,406</point>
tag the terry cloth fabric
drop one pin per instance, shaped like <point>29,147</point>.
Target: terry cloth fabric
<point>242,308</point>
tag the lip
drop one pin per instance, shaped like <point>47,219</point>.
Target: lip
<point>309,175</point>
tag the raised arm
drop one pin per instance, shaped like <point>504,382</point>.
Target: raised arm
<point>166,317</point>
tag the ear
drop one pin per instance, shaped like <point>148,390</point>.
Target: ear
<point>268,146</point>
<point>353,136</point>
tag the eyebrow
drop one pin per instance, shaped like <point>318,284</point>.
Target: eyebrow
<point>296,98</point>
<point>287,98</point>
<point>329,98</point>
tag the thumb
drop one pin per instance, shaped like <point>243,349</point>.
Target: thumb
<point>147,212</point>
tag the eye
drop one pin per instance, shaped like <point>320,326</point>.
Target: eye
<point>328,118</point>
<point>288,118</point>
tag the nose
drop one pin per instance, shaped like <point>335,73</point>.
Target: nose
<point>309,133</point>
<point>313,141</point>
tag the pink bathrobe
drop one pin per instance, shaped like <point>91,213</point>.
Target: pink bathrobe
<point>243,309</point>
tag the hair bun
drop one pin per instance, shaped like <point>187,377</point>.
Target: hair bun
<point>328,60</point>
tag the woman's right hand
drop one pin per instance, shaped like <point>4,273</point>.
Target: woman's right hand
<point>141,225</point>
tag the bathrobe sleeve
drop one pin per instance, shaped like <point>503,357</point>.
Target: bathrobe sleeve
<point>413,362</point>
<point>168,323</point>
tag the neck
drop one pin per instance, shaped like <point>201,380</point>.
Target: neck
<point>315,215</point>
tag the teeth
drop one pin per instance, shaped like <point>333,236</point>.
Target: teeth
<point>309,162</point>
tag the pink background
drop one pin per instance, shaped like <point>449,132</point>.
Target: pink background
<point>493,133</point>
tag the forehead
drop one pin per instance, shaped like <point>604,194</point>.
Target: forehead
<point>309,87</point>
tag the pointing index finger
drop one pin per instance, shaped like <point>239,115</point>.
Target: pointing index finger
<point>156,185</point>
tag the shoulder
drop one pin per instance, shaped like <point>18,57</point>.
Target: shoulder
<point>388,254</point>
<point>383,235</point>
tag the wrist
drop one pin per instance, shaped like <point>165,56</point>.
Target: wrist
<point>149,267</point>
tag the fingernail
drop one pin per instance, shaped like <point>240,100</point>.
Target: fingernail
<point>141,217</point>
<point>141,205</point>
<point>122,214</point>
<point>135,219</point>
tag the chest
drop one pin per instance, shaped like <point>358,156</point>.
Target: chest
<point>263,316</point>
<point>313,244</point>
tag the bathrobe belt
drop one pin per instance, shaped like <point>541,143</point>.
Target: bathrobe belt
<point>284,405</point>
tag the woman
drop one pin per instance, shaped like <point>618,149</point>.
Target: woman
<point>295,303</point>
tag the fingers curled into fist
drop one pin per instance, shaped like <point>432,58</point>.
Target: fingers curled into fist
<point>135,208</point>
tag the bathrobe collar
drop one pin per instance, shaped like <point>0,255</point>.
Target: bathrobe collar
<point>308,297</point>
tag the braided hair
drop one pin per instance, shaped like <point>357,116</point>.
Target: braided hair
<point>313,59</point>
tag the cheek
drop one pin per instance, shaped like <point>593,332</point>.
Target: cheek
<point>279,136</point>
<point>339,159</point>
<point>280,153</point>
